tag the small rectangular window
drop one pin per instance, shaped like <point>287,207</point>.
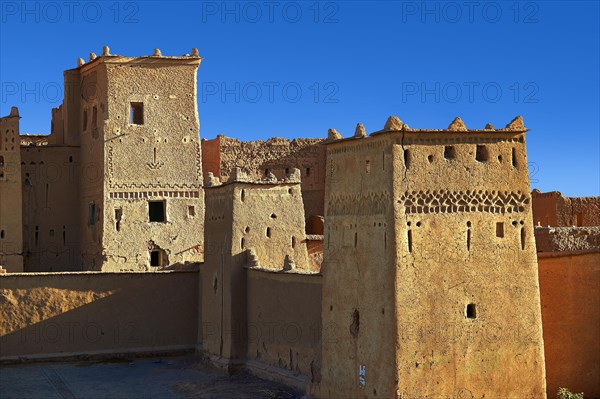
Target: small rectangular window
<point>156,211</point>
<point>136,113</point>
<point>471,311</point>
<point>307,171</point>
<point>449,152</point>
<point>155,258</point>
<point>500,229</point>
<point>191,211</point>
<point>481,153</point>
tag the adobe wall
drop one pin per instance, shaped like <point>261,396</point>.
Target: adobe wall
<point>570,297</point>
<point>50,192</point>
<point>62,314</point>
<point>11,233</point>
<point>471,192</point>
<point>554,209</point>
<point>266,218</point>
<point>284,325</point>
<point>275,155</point>
<point>449,215</point>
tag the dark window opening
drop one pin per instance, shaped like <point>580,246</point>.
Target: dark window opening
<point>37,235</point>
<point>273,216</point>
<point>514,157</point>
<point>293,242</point>
<point>522,238</point>
<point>268,232</point>
<point>136,113</point>
<point>156,211</point>
<point>449,152</point>
<point>243,195</point>
<point>481,153</point>
<point>118,217</point>
<point>91,214</point>
<point>2,234</point>
<point>64,235</point>
<point>84,119</point>
<point>307,171</point>
<point>468,239</point>
<point>191,211</point>
<point>70,159</point>
<point>242,242</point>
<point>409,240</point>
<point>287,171</point>
<point>368,166</point>
<point>406,159</point>
<point>156,258</point>
<point>471,311</point>
<point>51,232</point>
<point>500,229</point>
<point>355,239</point>
<point>579,218</point>
<point>430,158</point>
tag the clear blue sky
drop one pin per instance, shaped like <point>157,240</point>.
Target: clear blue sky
<point>294,69</point>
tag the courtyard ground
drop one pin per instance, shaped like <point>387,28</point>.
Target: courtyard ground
<point>162,378</point>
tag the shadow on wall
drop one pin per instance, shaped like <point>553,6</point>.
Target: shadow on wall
<point>87,313</point>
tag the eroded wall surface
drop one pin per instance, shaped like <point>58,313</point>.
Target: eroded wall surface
<point>570,296</point>
<point>61,314</point>
<point>11,225</point>
<point>277,156</point>
<point>554,209</point>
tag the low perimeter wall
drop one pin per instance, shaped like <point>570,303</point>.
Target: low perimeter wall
<point>50,315</point>
<point>570,297</point>
<point>284,326</point>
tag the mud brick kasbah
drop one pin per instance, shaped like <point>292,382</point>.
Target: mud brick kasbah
<point>404,263</point>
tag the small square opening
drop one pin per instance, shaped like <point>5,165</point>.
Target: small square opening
<point>155,258</point>
<point>156,211</point>
<point>136,113</point>
<point>449,152</point>
<point>481,153</point>
<point>471,311</point>
<point>191,211</point>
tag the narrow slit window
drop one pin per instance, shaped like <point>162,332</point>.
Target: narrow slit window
<point>91,214</point>
<point>136,113</point>
<point>406,159</point>
<point>409,240</point>
<point>118,217</point>
<point>156,211</point>
<point>307,172</point>
<point>522,238</point>
<point>268,232</point>
<point>514,157</point>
